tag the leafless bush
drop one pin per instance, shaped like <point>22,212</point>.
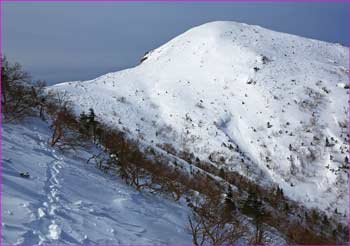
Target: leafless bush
<point>169,181</point>
<point>17,93</point>
<point>214,223</point>
<point>104,161</point>
<point>169,148</point>
<point>64,123</point>
<point>40,97</point>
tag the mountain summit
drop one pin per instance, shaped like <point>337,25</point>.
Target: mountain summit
<point>269,105</point>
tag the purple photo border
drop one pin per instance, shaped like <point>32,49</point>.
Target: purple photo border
<point>348,119</point>
<point>1,124</point>
<point>218,1</point>
<point>271,1</point>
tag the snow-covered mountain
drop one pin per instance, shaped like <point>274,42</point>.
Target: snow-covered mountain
<point>269,105</point>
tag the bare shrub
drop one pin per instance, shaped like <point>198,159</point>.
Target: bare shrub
<point>64,124</point>
<point>16,91</point>
<point>211,222</point>
<point>104,161</point>
<point>39,97</point>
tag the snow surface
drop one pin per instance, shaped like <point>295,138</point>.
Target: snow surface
<point>273,97</point>
<point>68,201</point>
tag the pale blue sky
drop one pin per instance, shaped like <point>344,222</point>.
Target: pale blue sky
<point>78,41</point>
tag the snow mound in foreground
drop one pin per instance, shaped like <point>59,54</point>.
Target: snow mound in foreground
<point>66,201</point>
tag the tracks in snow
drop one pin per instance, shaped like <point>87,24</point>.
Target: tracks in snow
<point>44,228</point>
<point>52,205</point>
<point>66,201</point>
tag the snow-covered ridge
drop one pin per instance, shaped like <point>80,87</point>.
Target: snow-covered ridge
<point>244,97</point>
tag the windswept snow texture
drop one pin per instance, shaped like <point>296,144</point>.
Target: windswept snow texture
<point>68,201</point>
<point>263,101</point>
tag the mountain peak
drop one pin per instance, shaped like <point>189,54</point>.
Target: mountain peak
<point>273,97</point>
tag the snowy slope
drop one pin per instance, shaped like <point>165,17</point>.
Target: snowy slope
<point>263,101</point>
<point>68,201</point>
